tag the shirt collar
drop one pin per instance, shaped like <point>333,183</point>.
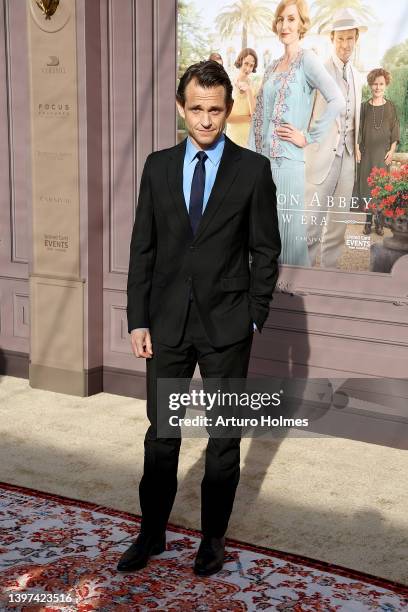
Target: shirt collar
<point>214,153</point>
<point>339,64</point>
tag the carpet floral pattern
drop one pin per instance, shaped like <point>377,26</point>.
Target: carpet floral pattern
<point>53,546</point>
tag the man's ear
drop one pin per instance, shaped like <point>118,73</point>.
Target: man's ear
<point>180,109</point>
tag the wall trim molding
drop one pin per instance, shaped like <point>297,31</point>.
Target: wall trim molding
<point>340,336</point>
<point>129,383</point>
<point>14,363</point>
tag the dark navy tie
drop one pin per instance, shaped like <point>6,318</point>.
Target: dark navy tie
<point>195,209</point>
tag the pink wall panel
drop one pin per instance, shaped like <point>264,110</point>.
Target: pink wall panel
<point>15,243</point>
<point>138,75</point>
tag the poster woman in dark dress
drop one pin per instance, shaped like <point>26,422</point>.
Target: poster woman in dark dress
<point>378,138</point>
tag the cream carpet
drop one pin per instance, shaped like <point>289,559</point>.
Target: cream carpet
<point>334,500</point>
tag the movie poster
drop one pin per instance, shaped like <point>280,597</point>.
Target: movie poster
<point>342,100</point>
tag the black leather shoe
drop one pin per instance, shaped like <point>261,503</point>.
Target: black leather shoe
<point>138,554</point>
<point>210,556</point>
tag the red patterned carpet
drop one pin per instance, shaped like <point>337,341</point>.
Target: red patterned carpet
<point>54,547</point>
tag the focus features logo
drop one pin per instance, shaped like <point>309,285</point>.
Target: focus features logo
<point>54,110</point>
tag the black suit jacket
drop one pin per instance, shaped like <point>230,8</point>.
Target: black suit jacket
<point>167,262</point>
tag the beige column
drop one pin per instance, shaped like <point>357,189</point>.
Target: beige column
<point>57,291</point>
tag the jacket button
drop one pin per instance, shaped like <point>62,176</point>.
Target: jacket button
<point>192,248</point>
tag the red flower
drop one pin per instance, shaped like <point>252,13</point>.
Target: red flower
<point>389,191</point>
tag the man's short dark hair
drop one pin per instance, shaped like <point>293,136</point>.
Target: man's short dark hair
<point>207,74</point>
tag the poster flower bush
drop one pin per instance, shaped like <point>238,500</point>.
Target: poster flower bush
<point>389,191</point>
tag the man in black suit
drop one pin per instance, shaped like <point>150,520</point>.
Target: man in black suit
<point>204,207</point>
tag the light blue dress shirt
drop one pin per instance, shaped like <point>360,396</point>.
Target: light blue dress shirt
<point>212,163</point>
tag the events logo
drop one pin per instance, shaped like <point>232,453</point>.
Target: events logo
<point>56,242</point>
<point>358,243</point>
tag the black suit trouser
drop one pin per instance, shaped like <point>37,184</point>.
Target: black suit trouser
<point>158,485</point>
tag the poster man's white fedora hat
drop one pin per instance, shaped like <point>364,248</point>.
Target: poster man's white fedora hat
<point>343,19</point>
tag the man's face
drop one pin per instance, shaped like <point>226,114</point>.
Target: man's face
<point>344,42</point>
<point>204,112</point>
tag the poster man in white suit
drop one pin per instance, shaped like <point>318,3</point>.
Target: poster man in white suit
<point>331,164</point>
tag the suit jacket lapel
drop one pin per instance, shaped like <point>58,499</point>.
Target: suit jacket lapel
<point>226,173</point>
<point>175,181</point>
<point>333,72</point>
